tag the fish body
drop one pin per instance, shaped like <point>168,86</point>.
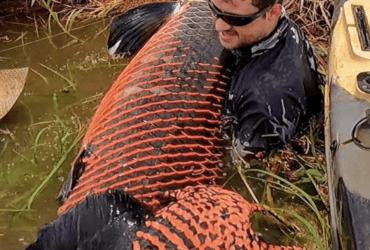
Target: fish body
<point>158,127</point>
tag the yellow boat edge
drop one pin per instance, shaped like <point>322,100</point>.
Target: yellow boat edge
<point>347,97</point>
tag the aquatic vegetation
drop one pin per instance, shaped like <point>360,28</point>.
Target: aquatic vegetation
<point>70,81</point>
<point>38,136</point>
<point>291,184</point>
<point>56,167</point>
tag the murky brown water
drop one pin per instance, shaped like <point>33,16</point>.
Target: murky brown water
<point>47,118</point>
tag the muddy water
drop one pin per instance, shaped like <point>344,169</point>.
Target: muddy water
<point>65,83</point>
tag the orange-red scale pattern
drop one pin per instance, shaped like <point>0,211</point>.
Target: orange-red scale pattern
<point>157,128</point>
<point>203,217</point>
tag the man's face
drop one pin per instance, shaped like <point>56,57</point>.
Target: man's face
<point>232,37</point>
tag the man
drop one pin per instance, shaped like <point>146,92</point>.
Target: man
<point>274,89</point>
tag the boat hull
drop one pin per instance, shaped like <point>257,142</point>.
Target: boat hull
<point>347,132</point>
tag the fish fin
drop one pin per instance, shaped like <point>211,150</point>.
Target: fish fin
<point>78,167</point>
<point>130,31</point>
<point>104,221</point>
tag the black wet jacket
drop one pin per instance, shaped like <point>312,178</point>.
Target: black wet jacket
<point>274,89</point>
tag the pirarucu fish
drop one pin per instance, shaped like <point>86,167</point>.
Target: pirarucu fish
<point>158,127</point>
<point>146,176</point>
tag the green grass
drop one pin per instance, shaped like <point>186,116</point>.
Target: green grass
<point>71,83</point>
<point>298,171</point>
<point>55,169</point>
<point>67,25</point>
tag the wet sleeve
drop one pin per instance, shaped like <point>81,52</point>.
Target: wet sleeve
<point>268,119</point>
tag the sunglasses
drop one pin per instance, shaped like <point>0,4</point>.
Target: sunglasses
<point>233,19</point>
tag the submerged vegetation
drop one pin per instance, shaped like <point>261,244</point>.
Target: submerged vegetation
<point>293,179</point>
<point>295,187</point>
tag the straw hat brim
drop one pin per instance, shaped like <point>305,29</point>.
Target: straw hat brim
<point>12,82</point>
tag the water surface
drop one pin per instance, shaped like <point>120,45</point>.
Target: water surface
<point>65,83</point>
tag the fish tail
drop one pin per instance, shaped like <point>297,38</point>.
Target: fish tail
<point>100,222</point>
<point>130,31</point>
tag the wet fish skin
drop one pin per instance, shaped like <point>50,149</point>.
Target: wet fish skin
<point>158,127</point>
<point>199,217</point>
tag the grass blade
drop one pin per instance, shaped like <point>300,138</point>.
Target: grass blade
<point>299,190</point>
<point>310,228</point>
<point>55,169</point>
<point>71,83</point>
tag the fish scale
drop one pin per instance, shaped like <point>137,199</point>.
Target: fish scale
<point>203,217</point>
<point>158,127</point>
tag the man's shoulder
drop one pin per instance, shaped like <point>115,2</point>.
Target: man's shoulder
<point>291,22</point>
<point>295,33</point>
<point>284,51</point>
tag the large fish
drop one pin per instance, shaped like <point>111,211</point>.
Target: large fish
<point>158,127</point>
<point>156,136</point>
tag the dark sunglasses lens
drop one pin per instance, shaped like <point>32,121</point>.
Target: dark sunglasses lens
<point>229,19</point>
<point>236,21</point>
